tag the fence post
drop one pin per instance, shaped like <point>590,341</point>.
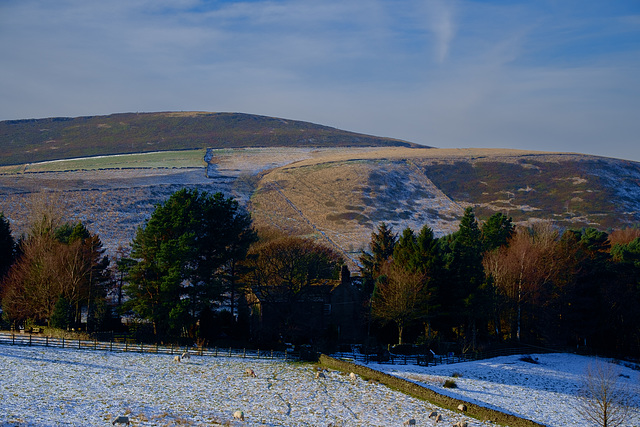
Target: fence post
<point>62,342</point>
<point>29,339</point>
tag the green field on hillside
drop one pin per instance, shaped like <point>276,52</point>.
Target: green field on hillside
<point>161,159</point>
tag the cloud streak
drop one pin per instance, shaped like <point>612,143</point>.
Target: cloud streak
<point>441,21</point>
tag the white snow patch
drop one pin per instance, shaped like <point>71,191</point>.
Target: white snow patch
<point>545,392</point>
<point>47,386</point>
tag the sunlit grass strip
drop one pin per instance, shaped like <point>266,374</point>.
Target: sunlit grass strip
<point>160,159</point>
<point>11,170</point>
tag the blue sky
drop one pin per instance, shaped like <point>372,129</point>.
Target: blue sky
<point>558,75</point>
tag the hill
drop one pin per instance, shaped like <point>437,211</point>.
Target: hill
<point>337,193</point>
<point>37,140</point>
<point>343,197</point>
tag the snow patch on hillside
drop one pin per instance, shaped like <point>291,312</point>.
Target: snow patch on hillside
<point>545,392</point>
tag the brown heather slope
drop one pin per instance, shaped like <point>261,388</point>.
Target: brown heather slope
<point>342,196</point>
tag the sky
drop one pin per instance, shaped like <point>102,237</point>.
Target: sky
<point>552,75</point>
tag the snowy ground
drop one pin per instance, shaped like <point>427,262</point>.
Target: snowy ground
<point>544,392</point>
<point>50,387</point>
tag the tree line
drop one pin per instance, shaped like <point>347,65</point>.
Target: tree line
<point>185,274</point>
<point>494,282</point>
<point>197,266</point>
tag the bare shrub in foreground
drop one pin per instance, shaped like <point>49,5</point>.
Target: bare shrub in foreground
<point>604,400</point>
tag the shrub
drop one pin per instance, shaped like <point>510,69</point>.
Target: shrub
<point>450,384</point>
<point>529,359</point>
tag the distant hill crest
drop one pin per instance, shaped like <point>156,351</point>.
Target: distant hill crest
<point>36,140</point>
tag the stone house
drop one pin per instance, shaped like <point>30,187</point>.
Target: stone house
<point>329,310</point>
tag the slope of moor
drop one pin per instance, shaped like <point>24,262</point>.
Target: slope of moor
<point>337,194</point>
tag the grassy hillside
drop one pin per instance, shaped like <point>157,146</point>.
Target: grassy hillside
<point>342,197</point>
<point>36,140</point>
<point>307,179</point>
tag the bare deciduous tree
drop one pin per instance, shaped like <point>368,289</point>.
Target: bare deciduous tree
<point>604,400</point>
<point>46,211</point>
<point>32,285</point>
<point>51,266</point>
<point>398,298</point>
<point>522,268</point>
<point>283,276</point>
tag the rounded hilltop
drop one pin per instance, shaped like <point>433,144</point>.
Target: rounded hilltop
<point>36,140</point>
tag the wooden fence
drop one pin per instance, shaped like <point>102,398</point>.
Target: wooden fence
<point>434,359</point>
<point>123,344</point>
<point>28,339</point>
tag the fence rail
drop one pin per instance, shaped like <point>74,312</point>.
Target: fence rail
<point>123,344</point>
<point>434,359</point>
<point>27,339</point>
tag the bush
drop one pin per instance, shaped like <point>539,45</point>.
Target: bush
<point>60,319</point>
<point>529,359</point>
<point>450,384</point>
<point>308,354</point>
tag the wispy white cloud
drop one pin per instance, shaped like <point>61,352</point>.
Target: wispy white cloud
<point>441,21</point>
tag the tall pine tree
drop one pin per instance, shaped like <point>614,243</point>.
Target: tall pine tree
<point>180,258</point>
<point>7,245</point>
<point>382,245</point>
<point>464,296</point>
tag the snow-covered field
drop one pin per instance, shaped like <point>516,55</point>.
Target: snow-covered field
<point>49,387</point>
<point>544,392</point>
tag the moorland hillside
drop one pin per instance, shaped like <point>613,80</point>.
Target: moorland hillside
<point>337,193</point>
